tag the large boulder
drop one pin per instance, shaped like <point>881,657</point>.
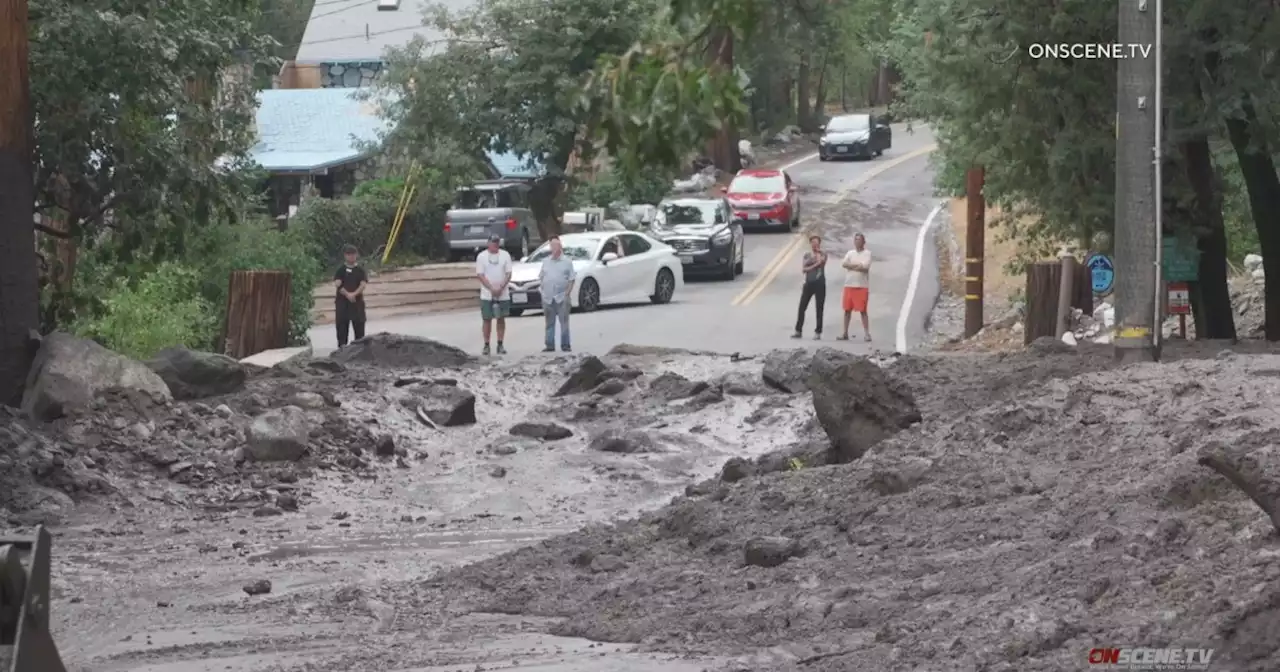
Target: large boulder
<point>447,405</point>
<point>195,375</point>
<point>671,386</point>
<point>69,372</point>
<point>279,435</point>
<point>402,352</point>
<point>858,404</point>
<point>788,370</point>
<point>590,373</point>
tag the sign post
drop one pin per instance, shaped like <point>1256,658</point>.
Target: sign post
<point>1180,305</point>
<point>1103,273</point>
<point>1180,265</point>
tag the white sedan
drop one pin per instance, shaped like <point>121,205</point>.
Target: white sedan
<point>612,267</point>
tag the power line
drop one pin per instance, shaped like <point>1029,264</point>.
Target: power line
<point>359,35</point>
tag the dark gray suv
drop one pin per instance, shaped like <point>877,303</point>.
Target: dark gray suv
<point>491,207</point>
<point>704,235</point>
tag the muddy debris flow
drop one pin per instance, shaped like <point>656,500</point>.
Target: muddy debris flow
<point>807,510</point>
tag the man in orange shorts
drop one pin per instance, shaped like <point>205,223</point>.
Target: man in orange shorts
<point>857,284</point>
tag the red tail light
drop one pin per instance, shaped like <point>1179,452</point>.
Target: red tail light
<point>447,227</point>
<point>511,225</point>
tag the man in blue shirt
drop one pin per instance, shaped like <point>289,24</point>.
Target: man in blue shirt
<point>556,281</point>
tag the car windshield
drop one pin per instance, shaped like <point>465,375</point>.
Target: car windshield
<point>757,184</point>
<point>689,213</point>
<point>849,124</point>
<point>574,252</point>
<point>480,199</point>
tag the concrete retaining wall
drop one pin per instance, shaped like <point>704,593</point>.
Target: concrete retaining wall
<point>410,291</point>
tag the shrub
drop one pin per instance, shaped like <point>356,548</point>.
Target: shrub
<point>365,221</point>
<point>163,308</point>
<point>258,245</point>
<point>610,187</point>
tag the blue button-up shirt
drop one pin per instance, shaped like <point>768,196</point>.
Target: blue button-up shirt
<point>556,277</point>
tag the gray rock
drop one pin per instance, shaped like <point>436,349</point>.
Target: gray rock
<point>610,387</point>
<point>308,400</point>
<point>385,446</point>
<point>624,441</point>
<point>544,431</point>
<point>769,551</point>
<point>191,374</point>
<point>586,377</point>
<point>447,406</point>
<point>68,373</point>
<point>672,386</point>
<point>498,472</point>
<point>402,352</point>
<point>788,370</point>
<point>858,405</point>
<point>259,587</point>
<point>279,435</point>
<point>607,563</point>
<point>741,384</point>
<point>1048,345</point>
<point>736,469</point>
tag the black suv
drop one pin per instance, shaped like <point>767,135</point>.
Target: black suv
<point>704,235</point>
<point>854,136</point>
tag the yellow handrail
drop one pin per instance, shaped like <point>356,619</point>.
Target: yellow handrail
<point>402,208</point>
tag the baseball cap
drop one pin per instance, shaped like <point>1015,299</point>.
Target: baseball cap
<point>495,238</point>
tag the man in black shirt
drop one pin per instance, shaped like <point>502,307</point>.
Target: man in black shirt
<point>350,281</point>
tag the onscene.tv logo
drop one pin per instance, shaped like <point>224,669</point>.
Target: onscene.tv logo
<point>1151,659</point>
<point>1085,51</point>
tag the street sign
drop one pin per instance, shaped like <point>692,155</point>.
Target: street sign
<point>1181,260</point>
<point>1102,271</point>
<point>1179,298</point>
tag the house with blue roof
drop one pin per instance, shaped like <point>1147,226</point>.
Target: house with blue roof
<point>323,138</point>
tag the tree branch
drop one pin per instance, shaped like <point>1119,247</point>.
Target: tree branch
<point>47,230</point>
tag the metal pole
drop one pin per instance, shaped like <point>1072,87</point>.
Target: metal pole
<point>1162,294</point>
<point>1137,238</point>
<point>1064,295</point>
<point>975,250</point>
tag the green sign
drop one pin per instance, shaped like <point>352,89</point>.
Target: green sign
<point>1181,260</point>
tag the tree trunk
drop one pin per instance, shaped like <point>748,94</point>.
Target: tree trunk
<point>804,96</point>
<point>723,148</point>
<point>820,97</point>
<point>844,88</point>
<point>19,280</point>
<point>1259,173</point>
<point>1211,294</point>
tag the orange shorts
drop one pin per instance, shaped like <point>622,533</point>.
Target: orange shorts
<point>855,299</point>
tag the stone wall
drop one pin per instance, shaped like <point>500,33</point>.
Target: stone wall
<point>349,75</point>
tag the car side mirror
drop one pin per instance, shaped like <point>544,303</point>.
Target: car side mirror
<point>608,257</point>
<point>822,127</point>
<point>722,189</point>
<point>524,259</point>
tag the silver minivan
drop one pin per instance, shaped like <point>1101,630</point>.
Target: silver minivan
<point>491,207</point>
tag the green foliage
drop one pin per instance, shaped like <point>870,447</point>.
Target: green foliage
<point>163,308</point>
<point>257,245</point>
<point>365,221</point>
<point>611,187</point>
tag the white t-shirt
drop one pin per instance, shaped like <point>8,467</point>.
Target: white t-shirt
<point>495,267</point>
<point>854,278</point>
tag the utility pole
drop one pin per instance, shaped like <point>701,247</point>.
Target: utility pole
<point>19,282</point>
<point>974,250</point>
<point>1136,235</point>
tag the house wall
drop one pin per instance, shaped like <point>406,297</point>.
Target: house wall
<point>300,76</point>
<point>349,75</point>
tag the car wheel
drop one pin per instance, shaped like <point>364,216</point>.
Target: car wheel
<point>516,312</point>
<point>730,268</point>
<point>823,157</point>
<point>589,296</point>
<point>664,286</point>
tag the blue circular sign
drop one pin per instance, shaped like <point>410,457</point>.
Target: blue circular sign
<point>1102,271</point>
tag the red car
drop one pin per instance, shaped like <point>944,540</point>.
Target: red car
<point>764,198</point>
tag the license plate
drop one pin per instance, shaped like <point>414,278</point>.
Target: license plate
<point>753,215</point>
<point>686,259</point>
<point>477,229</point>
<point>841,150</point>
<point>519,297</point>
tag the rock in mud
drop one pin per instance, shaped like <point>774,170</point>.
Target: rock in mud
<point>624,441</point>
<point>498,472</point>
<point>858,405</point>
<point>447,406</point>
<point>1048,345</point>
<point>601,564</point>
<point>788,370</point>
<point>385,446</point>
<point>672,386</point>
<point>742,384</point>
<point>769,551</point>
<point>308,400</point>
<point>610,388</point>
<point>736,469</point>
<point>588,374</point>
<point>196,375</point>
<point>259,587</point>
<point>279,435</point>
<point>402,352</point>
<point>68,373</point>
<point>543,431</point>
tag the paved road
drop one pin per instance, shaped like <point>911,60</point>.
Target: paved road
<point>888,198</point>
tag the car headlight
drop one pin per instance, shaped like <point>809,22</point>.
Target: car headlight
<point>723,236</point>
<point>823,141</point>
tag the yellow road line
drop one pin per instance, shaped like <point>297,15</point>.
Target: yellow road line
<point>775,266</point>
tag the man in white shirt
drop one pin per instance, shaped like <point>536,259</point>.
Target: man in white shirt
<point>857,286</point>
<point>493,269</point>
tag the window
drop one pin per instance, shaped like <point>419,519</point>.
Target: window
<point>574,252</point>
<point>851,123</point>
<point>758,184</point>
<point>690,213</point>
<point>635,244</point>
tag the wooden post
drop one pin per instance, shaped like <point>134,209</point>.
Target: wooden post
<point>1043,290</point>
<point>257,312</point>
<point>19,272</point>
<point>1065,287</point>
<point>975,251</point>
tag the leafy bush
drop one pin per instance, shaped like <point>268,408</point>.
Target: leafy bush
<point>163,308</point>
<point>258,245</point>
<point>610,187</point>
<point>365,221</point>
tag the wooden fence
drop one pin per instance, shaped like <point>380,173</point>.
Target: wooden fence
<point>424,289</point>
<point>257,312</point>
<point>1043,281</point>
